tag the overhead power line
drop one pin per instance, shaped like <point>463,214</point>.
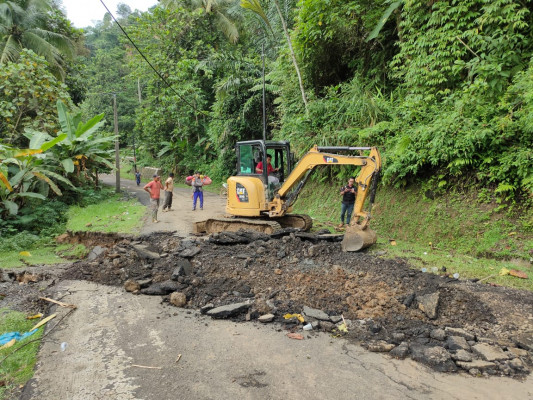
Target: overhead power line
<point>151,66</point>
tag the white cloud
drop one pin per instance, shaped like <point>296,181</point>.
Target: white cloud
<point>83,13</point>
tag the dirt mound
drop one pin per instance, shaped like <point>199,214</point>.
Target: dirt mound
<point>386,305</point>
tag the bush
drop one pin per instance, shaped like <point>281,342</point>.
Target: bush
<point>19,242</point>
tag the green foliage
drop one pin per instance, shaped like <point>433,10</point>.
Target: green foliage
<point>19,242</point>
<point>38,26</point>
<point>27,174</point>
<point>332,40</point>
<point>84,150</point>
<point>28,93</point>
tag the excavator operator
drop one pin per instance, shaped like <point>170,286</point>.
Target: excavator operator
<point>270,169</point>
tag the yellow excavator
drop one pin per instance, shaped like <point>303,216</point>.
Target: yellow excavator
<point>263,201</point>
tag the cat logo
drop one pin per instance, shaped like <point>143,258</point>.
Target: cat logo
<point>330,160</point>
<point>242,193</point>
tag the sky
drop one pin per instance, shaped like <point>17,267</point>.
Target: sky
<point>83,13</point>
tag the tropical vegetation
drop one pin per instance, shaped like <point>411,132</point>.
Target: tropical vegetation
<point>444,88</point>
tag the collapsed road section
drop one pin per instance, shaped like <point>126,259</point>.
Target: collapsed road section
<point>306,283</point>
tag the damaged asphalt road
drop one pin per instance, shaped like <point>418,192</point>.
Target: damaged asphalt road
<point>144,301</point>
<point>121,346</point>
<point>447,324</point>
<point>140,303</point>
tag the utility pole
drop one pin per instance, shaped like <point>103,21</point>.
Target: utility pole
<point>117,159</point>
<point>140,102</point>
<point>264,107</point>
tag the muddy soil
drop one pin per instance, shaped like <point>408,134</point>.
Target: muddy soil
<point>383,301</point>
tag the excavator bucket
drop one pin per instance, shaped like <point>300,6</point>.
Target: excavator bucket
<point>356,239</point>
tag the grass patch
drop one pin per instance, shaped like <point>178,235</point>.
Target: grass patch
<point>468,267</point>
<point>17,369</point>
<point>39,255</point>
<point>112,215</point>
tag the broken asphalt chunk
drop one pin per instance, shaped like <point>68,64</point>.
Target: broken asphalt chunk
<point>401,351</point>
<point>161,288</point>
<point>459,332</point>
<point>184,267</point>
<point>436,357</point>
<point>476,364</point>
<point>229,310</point>
<point>206,308</point>
<point>316,314</point>
<point>190,252</point>
<point>457,343</point>
<point>489,353</point>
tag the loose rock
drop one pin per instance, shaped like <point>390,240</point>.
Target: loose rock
<point>178,299</point>
<point>428,304</point>
<point>380,347</point>
<point>266,318</point>
<point>131,285</point>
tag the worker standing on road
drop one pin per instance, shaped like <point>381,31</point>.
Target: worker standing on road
<point>154,187</point>
<point>137,177</point>
<point>348,194</point>
<point>197,190</point>
<point>169,187</point>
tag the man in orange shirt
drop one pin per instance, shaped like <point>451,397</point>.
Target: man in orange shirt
<point>154,187</point>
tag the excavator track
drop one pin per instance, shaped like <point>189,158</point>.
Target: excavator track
<point>299,221</point>
<point>215,225</point>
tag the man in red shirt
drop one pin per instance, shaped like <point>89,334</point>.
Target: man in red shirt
<point>270,169</point>
<point>153,187</point>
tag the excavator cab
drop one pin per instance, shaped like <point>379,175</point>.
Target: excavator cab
<point>253,152</point>
<point>250,191</point>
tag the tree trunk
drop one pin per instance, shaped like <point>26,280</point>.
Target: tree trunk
<point>287,36</point>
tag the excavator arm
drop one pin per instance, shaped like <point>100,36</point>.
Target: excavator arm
<point>370,168</point>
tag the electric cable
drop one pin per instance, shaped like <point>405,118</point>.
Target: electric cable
<point>153,68</point>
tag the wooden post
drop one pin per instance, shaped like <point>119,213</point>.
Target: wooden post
<point>117,158</point>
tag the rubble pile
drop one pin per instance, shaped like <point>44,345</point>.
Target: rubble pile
<point>447,324</point>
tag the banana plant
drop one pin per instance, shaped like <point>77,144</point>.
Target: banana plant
<point>21,171</point>
<point>84,147</point>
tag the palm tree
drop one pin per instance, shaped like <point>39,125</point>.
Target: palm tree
<point>23,24</point>
<point>223,10</point>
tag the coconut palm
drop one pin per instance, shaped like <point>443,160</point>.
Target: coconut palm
<point>23,24</point>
